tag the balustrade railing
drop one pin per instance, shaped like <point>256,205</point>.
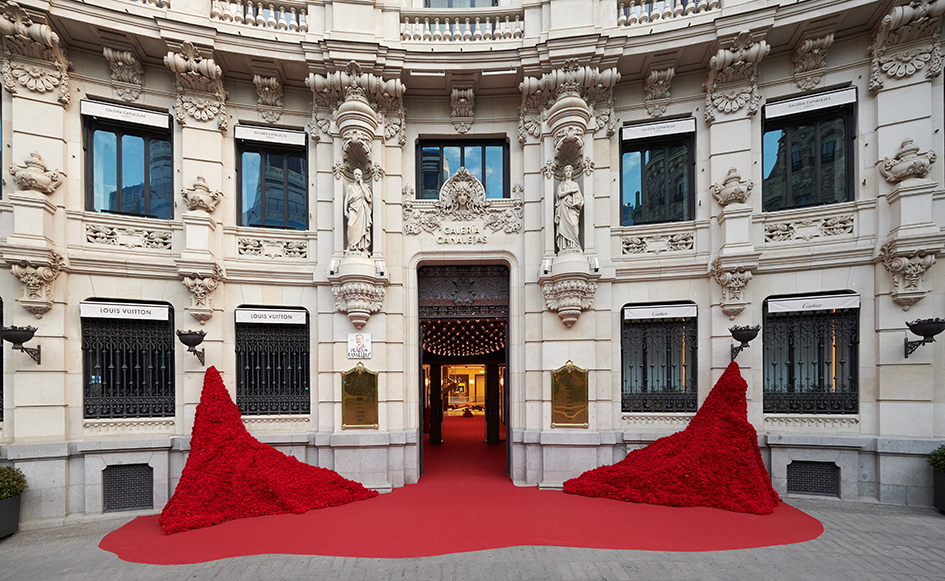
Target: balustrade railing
<point>636,12</point>
<point>462,26</point>
<point>260,14</point>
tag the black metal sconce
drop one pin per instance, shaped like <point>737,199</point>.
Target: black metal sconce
<point>192,339</point>
<point>20,335</point>
<point>925,328</point>
<point>743,335</point>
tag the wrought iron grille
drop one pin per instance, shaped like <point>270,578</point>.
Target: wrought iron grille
<point>272,369</point>
<point>821,478</point>
<point>810,361</point>
<point>128,368</point>
<point>128,487</point>
<point>463,291</point>
<point>659,363</point>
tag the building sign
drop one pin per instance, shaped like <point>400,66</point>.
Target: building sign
<point>359,345</point>
<point>810,103</point>
<point>824,303</point>
<point>267,135</point>
<point>126,114</point>
<point>271,316</point>
<point>569,397</point>
<point>359,398</point>
<point>662,129</point>
<point>659,312</point>
<point>461,233</point>
<point>144,312</point>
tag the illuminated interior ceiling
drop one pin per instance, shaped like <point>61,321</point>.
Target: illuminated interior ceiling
<point>463,337</point>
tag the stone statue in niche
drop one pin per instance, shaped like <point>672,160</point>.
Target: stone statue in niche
<point>358,204</point>
<point>568,213</point>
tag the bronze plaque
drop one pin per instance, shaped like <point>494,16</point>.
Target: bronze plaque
<point>359,398</point>
<point>569,397</point>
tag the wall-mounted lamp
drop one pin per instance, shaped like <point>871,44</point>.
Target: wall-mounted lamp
<point>20,335</point>
<point>925,328</point>
<point>192,339</point>
<point>743,335</point>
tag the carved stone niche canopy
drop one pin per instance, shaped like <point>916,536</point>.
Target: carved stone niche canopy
<point>570,287</point>
<point>35,175</point>
<point>126,72</point>
<point>906,42</point>
<point>733,279</point>
<point>907,164</point>
<point>37,269</point>
<point>358,288</point>
<point>200,91</point>
<point>907,266</point>
<point>201,280</point>
<point>732,80</point>
<point>32,56</point>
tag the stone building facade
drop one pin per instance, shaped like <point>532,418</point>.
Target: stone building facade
<point>645,175</point>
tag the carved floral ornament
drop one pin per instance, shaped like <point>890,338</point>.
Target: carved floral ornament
<point>128,237</point>
<point>126,72</point>
<point>732,190</point>
<point>809,228</point>
<point>733,282</point>
<point>37,279</point>
<point>731,83</point>
<point>359,299</point>
<point>657,243</point>
<point>907,164</point>
<point>569,297</point>
<point>908,272</point>
<point>34,175</point>
<point>32,55</point>
<point>200,197</point>
<point>201,287</point>
<point>906,42</point>
<point>462,101</point>
<point>269,97</point>
<point>266,248</point>
<point>810,61</point>
<point>200,91</point>
<point>656,90</point>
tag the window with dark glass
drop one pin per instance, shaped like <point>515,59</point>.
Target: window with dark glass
<point>272,365</point>
<point>811,360</point>
<point>487,160</point>
<point>129,169</point>
<point>808,159</point>
<point>658,359</point>
<point>128,366</point>
<point>273,186</point>
<point>657,180</point>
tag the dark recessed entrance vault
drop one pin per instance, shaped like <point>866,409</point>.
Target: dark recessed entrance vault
<point>464,312</point>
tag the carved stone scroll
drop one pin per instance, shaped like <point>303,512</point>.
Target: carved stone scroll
<point>201,287</point>
<point>732,80</point>
<point>908,272</point>
<point>809,228</point>
<point>128,237</point>
<point>656,90</point>
<point>32,55</point>
<point>126,72</point>
<point>906,42</point>
<point>200,91</point>
<point>462,102</point>
<point>733,282</point>
<point>657,243</point>
<point>266,248</point>
<point>37,278</point>
<point>269,96</point>
<point>810,61</point>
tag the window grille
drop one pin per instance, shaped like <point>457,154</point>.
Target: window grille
<point>128,487</point>
<point>810,361</point>
<point>820,478</point>
<point>272,363</point>
<point>659,365</point>
<point>128,368</point>
<point>656,181</point>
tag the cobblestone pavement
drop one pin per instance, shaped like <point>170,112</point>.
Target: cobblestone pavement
<point>861,541</point>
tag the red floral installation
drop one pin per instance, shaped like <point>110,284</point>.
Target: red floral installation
<point>230,474</point>
<point>715,462</point>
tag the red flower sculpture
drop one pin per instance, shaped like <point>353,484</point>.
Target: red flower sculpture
<point>714,462</point>
<point>230,474</point>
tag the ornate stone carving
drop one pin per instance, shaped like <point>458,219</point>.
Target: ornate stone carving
<point>463,198</point>
<point>107,426</point>
<point>732,190</point>
<point>662,420</point>
<point>273,248</point>
<point>908,273</point>
<point>461,103</point>
<point>731,82</point>
<point>809,228</point>
<point>269,96</point>
<point>201,287</point>
<point>810,422</point>
<point>200,197</point>
<point>657,243</point>
<point>126,72</point>
<point>128,237</point>
<point>34,175</point>
<point>37,279</point>
<point>358,299</point>
<point>568,209</point>
<point>358,209</point>
<point>200,91</point>
<point>810,61</point>
<point>733,282</point>
<point>656,90</point>
<point>907,164</point>
<point>569,297</point>
<point>906,42</point>
<point>32,55</point>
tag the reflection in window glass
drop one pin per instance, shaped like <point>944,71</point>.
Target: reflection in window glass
<point>486,161</point>
<point>451,161</point>
<point>273,189</point>
<point>472,161</point>
<point>132,174</point>
<point>105,170</point>
<point>656,182</point>
<point>162,179</point>
<point>252,198</point>
<point>494,172</point>
<point>297,203</point>
<point>430,167</point>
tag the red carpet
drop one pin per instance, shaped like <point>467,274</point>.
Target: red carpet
<point>464,502</point>
<point>714,462</point>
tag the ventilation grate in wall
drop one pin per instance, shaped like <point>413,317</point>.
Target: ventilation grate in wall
<point>128,487</point>
<point>820,478</point>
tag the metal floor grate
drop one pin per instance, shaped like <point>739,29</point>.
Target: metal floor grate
<point>128,487</point>
<point>820,478</point>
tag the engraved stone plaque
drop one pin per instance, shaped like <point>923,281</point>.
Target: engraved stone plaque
<point>359,398</point>
<point>569,397</point>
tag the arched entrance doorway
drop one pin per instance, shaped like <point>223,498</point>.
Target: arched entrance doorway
<point>464,312</point>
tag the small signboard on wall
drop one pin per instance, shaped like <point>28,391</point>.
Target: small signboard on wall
<point>569,397</point>
<point>359,345</point>
<point>359,398</point>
